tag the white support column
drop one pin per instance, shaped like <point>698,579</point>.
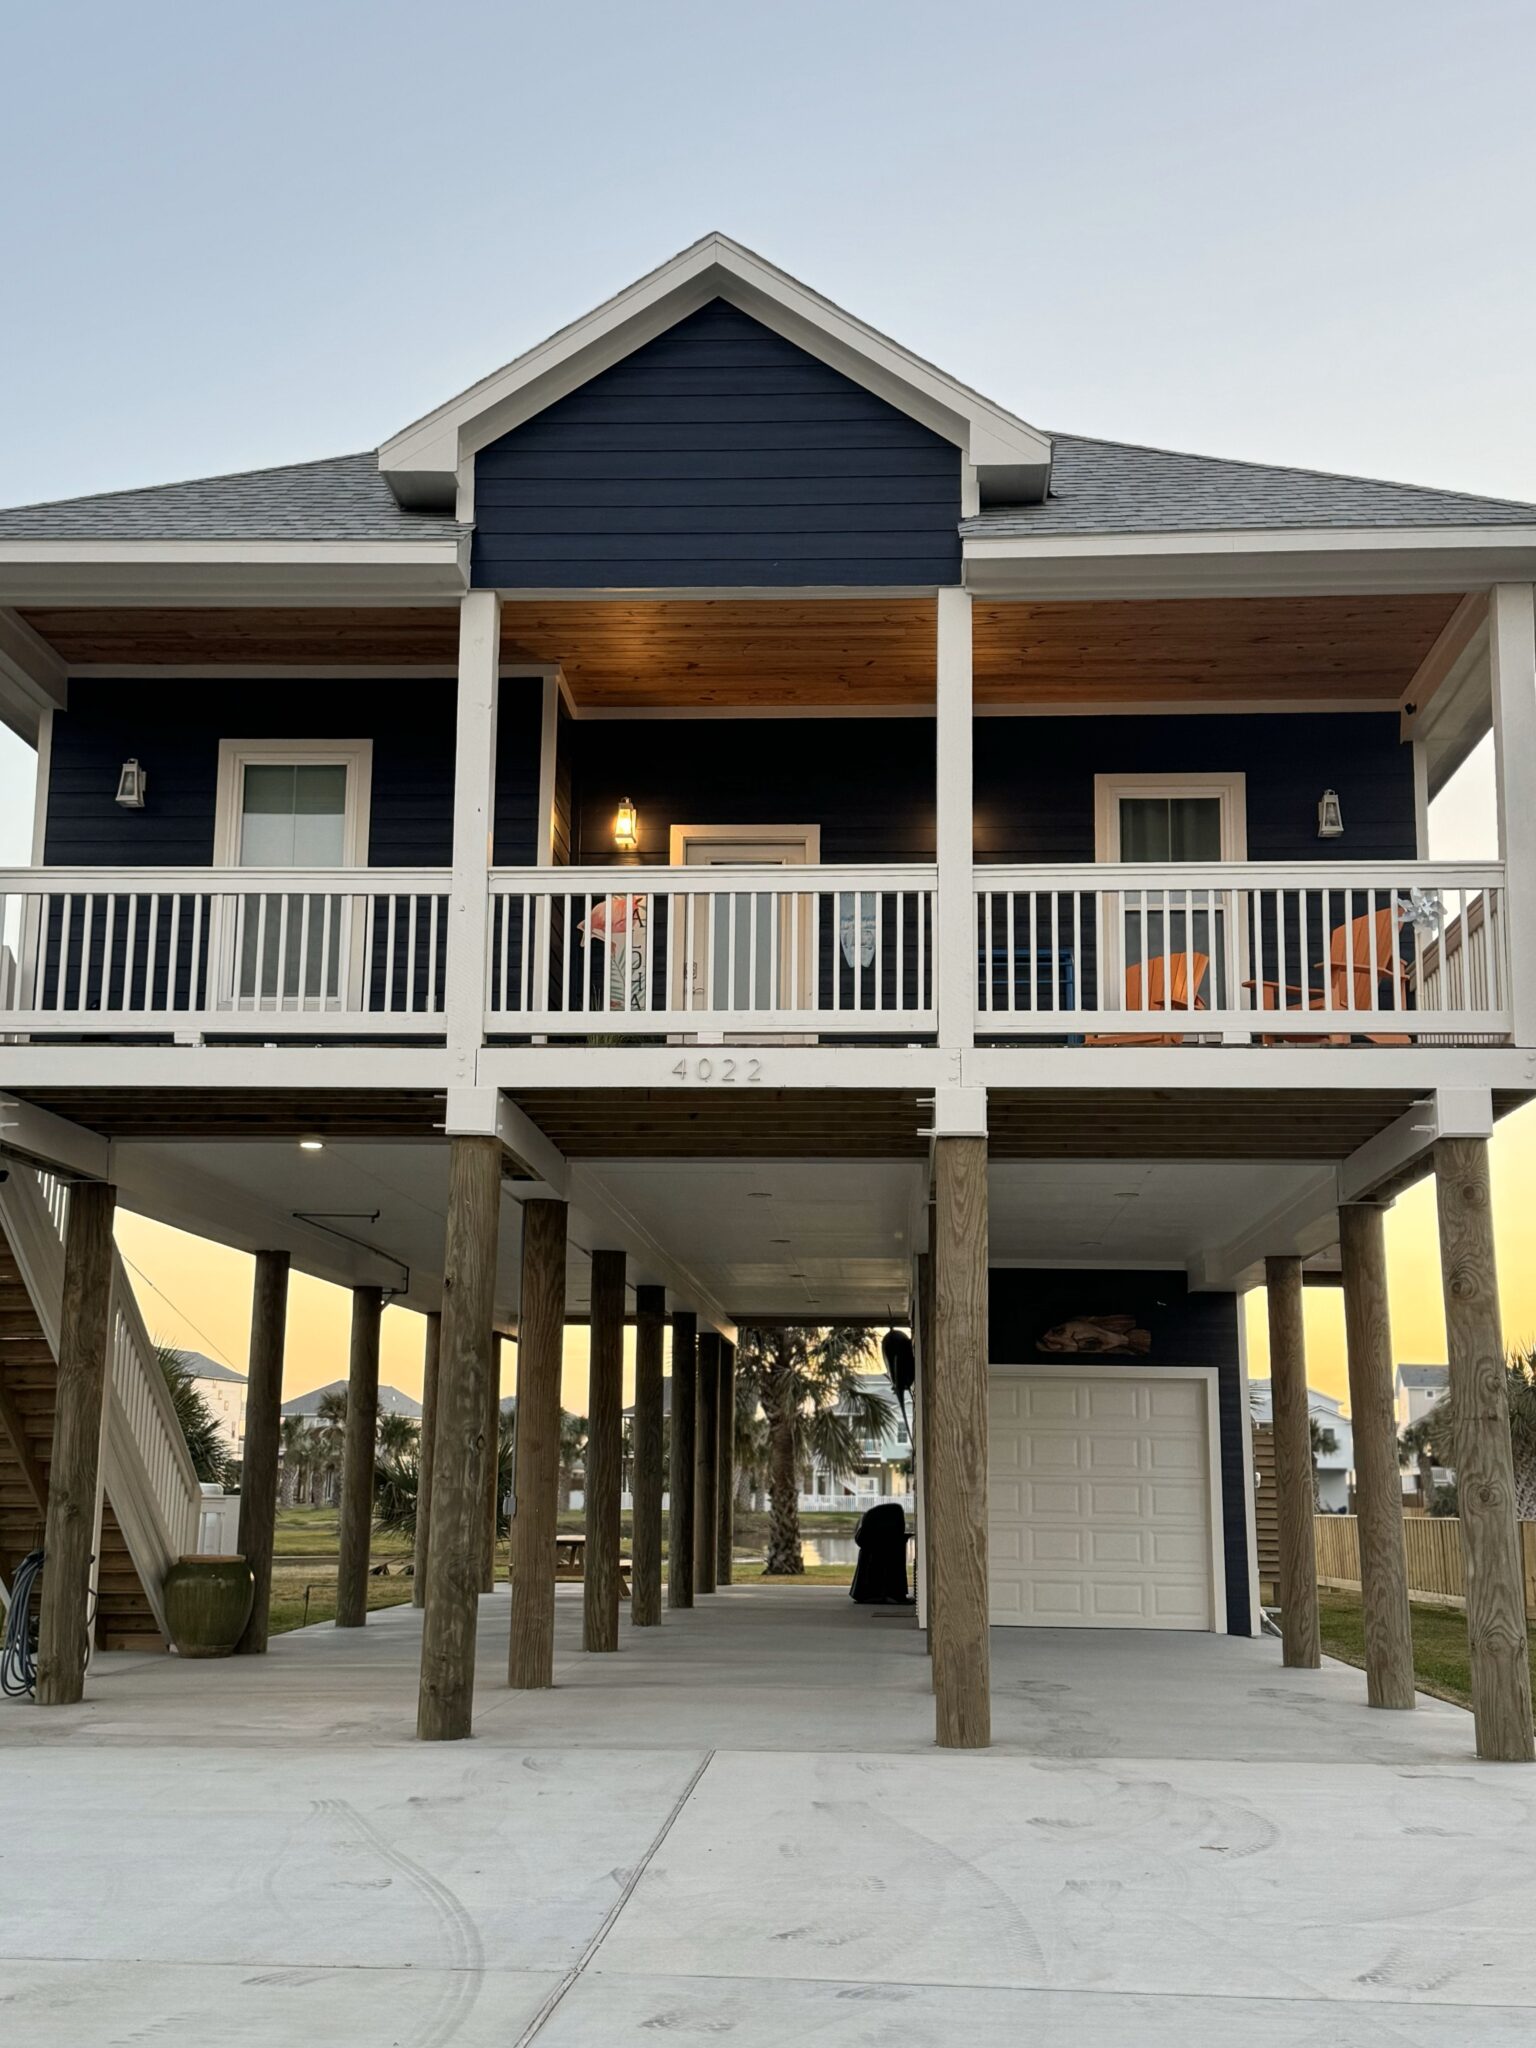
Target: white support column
<point>956,944</point>
<point>1512,665</point>
<point>474,792</point>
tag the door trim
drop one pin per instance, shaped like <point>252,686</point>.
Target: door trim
<point>679,838</point>
<point>1211,1376</point>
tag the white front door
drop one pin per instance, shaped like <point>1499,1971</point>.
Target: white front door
<point>1100,1499</point>
<point>739,952</point>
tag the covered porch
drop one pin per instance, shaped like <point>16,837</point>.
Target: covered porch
<point>743,1830</point>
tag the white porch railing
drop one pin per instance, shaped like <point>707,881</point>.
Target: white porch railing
<point>746,950</point>
<point>145,1467</point>
<point>1391,951</point>
<point>280,952</point>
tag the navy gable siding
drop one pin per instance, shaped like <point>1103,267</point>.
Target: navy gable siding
<point>717,455</point>
<point>1186,1329</point>
<point>174,729</point>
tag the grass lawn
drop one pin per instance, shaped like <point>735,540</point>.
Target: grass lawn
<point>748,1574</point>
<point>1440,1661</point>
<point>289,1582</point>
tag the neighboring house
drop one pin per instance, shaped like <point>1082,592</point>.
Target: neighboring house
<point>224,1391</point>
<point>306,1407</point>
<point>884,1470</point>
<point>1335,1467</point>
<point>1418,1388</point>
<point>720,763</point>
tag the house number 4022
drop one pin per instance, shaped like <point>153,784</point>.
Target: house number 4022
<point>723,1072</point>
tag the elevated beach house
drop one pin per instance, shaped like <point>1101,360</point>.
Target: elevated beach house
<point>720,822</point>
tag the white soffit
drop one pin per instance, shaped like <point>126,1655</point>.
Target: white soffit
<point>422,461</point>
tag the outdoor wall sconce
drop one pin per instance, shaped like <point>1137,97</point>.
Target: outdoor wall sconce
<point>131,785</point>
<point>1330,819</point>
<point>626,827</point>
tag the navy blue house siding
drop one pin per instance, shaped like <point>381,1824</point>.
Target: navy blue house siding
<point>174,729</point>
<point>717,455</point>
<point>1186,1329</point>
<point>1034,779</point>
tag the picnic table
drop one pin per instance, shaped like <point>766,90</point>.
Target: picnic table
<point>571,1557</point>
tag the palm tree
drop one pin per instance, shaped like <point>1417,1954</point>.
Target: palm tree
<point>199,1425</point>
<point>817,1404</point>
<point>573,1451</point>
<point>1323,1444</point>
<point>293,1457</point>
<point>398,1435</point>
<point>1431,1440</point>
<point>330,1438</point>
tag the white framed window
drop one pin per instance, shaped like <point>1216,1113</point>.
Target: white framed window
<point>1170,818</point>
<point>1165,941</point>
<point>301,805</point>
<point>293,803</point>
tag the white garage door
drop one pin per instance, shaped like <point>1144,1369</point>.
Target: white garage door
<point>1100,1505</point>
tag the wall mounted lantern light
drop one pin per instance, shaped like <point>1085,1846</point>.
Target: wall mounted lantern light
<point>1330,818</point>
<point>131,785</point>
<point>626,827</point>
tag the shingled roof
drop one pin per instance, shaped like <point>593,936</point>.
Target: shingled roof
<point>1096,487</point>
<point>1116,487</point>
<point>342,498</point>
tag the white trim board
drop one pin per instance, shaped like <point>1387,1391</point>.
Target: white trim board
<point>430,461</point>
<point>235,756</point>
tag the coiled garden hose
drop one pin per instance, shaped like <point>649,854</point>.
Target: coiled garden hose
<point>18,1653</point>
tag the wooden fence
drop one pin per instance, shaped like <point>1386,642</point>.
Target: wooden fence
<point>1433,1544</point>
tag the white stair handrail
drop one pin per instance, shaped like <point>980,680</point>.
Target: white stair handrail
<point>146,1467</point>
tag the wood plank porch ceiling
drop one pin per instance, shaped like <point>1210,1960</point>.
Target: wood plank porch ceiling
<point>853,653</point>
<point>1065,1124</point>
<point>145,1115</point>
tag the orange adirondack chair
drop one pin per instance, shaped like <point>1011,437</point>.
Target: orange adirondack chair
<point>1169,980</point>
<point>1352,984</point>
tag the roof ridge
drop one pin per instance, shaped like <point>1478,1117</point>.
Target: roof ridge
<point>222,476</point>
<point>1335,476</point>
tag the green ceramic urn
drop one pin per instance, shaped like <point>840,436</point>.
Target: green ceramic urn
<point>207,1604</point>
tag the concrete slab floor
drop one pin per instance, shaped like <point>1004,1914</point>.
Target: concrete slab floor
<point>738,1827</point>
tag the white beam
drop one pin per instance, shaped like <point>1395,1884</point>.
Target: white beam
<point>1512,665</point>
<point>602,1218</point>
<point>49,1140</point>
<point>474,815</point>
<point>955,947</point>
<point>1302,1225</point>
<point>33,679</point>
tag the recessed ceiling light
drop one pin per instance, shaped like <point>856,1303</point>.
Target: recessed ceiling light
<point>311,1145</point>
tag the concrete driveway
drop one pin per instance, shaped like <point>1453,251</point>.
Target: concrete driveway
<point>737,1829</point>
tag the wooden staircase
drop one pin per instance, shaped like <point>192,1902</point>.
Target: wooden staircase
<point>125,1618</point>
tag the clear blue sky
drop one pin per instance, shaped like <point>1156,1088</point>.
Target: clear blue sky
<point>244,235</point>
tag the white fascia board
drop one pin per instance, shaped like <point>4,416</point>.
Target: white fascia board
<point>1292,562</point>
<point>651,1066</point>
<point>323,1068</point>
<point>246,572</point>
<point>423,461</point>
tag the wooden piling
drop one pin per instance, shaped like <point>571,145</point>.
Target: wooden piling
<point>263,1436</point>
<point>680,1484</point>
<point>73,1468</point>
<point>1387,1625</point>
<point>649,1480</point>
<point>540,1348</point>
<point>425,1447</point>
<point>1296,1502</point>
<point>706,1451</point>
<point>725,1466</point>
<point>356,1534</point>
<point>605,1454</point>
<point>962,1662</point>
<point>444,1710</point>
<point>1485,1475</point>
